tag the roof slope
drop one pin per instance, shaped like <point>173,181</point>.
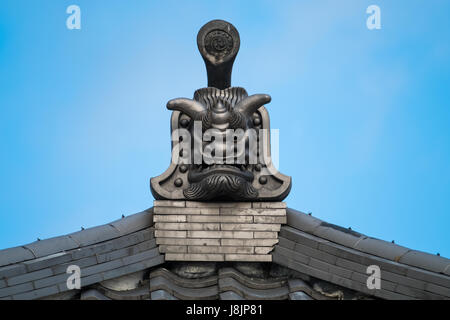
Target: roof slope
<point>38,269</point>
<point>341,256</point>
<point>307,245</point>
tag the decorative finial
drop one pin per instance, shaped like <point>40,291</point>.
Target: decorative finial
<point>218,42</point>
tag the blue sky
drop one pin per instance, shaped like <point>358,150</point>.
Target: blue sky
<point>363,114</point>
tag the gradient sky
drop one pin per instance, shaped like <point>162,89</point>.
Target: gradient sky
<point>363,115</point>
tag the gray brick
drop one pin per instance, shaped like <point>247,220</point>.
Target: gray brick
<point>311,271</point>
<point>362,258</point>
<point>29,277</point>
<point>197,204</point>
<point>249,257</point>
<point>87,280</point>
<point>12,270</point>
<point>252,212</point>
<point>263,250</point>
<point>128,251</point>
<point>291,254</point>
<point>47,261</point>
<point>248,242</point>
<point>235,219</point>
<point>332,269</point>
<point>416,293</point>
<point>188,226</point>
<point>443,291</point>
<point>169,203</point>
<point>186,211</point>
<point>170,234</point>
<point>269,219</point>
<point>396,278</point>
<point>14,255</point>
<point>8,291</point>
<point>102,267</point>
<point>351,265</point>
<point>53,245</point>
<point>264,234</point>
<point>249,227</point>
<point>286,243</point>
<point>141,256</point>
<point>172,249</point>
<point>220,234</point>
<point>429,276</point>
<point>178,241</point>
<point>280,258</point>
<point>269,205</point>
<point>111,245</point>
<point>82,263</point>
<point>301,237</point>
<point>36,294</point>
<point>320,255</point>
<point>138,266</point>
<point>212,249</point>
<point>46,282</point>
<point>174,218</point>
<point>193,257</point>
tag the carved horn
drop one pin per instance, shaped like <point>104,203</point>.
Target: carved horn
<point>191,107</point>
<point>250,104</point>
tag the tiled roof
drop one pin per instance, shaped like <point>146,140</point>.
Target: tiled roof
<point>226,283</point>
<point>307,245</point>
<point>39,269</point>
<point>341,256</point>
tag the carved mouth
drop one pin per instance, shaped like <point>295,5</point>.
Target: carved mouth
<point>200,172</point>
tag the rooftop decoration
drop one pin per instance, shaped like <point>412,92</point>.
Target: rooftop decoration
<point>221,137</point>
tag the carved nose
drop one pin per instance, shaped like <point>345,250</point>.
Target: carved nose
<point>220,114</point>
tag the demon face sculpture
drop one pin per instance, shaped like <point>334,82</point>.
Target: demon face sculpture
<point>220,138</point>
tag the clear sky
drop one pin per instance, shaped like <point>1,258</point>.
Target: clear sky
<point>364,115</point>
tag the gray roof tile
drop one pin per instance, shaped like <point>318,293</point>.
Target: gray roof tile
<point>12,270</point>
<point>14,255</point>
<point>426,261</point>
<point>135,222</point>
<point>53,245</point>
<point>36,294</point>
<point>30,276</point>
<point>94,235</point>
<point>9,291</point>
<point>362,243</point>
<point>381,248</point>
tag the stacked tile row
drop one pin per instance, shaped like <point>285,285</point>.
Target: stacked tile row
<point>229,231</point>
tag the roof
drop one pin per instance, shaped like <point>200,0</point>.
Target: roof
<point>307,245</point>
